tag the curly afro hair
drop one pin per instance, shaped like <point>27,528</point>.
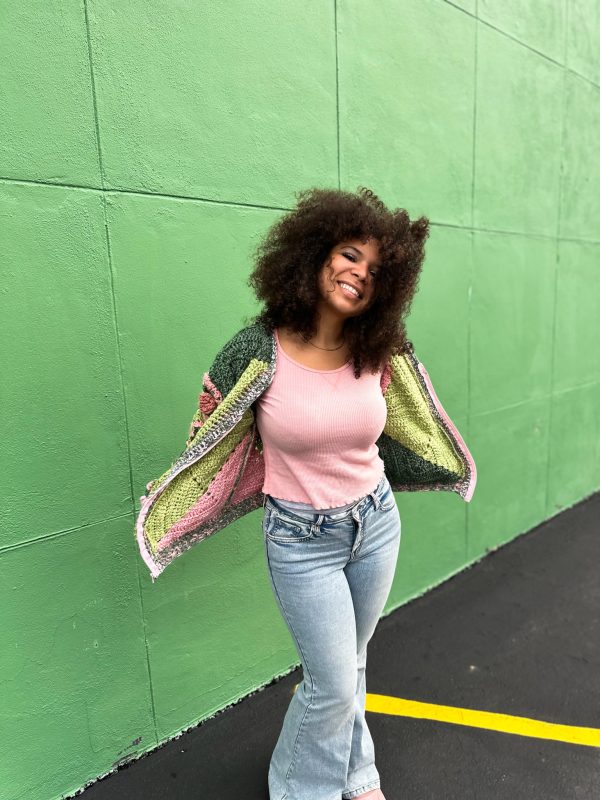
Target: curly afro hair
<point>295,249</point>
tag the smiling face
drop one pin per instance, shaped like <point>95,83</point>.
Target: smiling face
<point>347,284</point>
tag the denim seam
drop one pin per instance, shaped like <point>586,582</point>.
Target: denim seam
<point>275,538</point>
<point>362,710</point>
<point>376,784</point>
<point>312,683</point>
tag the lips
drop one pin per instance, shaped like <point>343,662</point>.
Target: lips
<point>349,293</point>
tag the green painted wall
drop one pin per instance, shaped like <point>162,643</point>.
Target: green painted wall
<point>144,150</point>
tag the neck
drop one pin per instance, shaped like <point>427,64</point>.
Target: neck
<point>330,330</point>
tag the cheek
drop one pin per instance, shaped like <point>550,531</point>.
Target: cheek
<point>327,282</point>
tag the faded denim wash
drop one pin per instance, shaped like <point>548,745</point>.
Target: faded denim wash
<point>331,575</point>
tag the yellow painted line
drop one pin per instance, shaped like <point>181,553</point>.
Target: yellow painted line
<point>490,720</point>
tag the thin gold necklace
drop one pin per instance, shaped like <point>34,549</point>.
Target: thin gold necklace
<point>324,348</point>
<point>328,348</point>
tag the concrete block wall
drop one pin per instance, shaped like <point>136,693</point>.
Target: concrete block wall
<point>144,150</point>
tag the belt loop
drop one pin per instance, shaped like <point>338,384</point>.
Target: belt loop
<point>264,502</point>
<point>316,525</point>
<point>376,499</point>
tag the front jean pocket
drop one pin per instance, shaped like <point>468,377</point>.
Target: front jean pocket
<point>387,500</point>
<point>279,528</point>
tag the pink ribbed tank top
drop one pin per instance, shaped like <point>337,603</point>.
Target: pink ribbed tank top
<point>319,429</point>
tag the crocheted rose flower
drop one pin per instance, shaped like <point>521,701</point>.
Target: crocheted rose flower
<point>207,403</point>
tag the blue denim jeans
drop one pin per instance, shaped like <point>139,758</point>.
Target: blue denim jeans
<point>331,575</point>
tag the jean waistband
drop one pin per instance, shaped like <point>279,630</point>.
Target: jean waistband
<point>312,516</point>
<point>306,508</point>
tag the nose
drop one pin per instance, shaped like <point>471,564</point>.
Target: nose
<point>360,270</point>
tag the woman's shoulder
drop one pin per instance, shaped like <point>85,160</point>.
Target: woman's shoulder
<point>253,341</point>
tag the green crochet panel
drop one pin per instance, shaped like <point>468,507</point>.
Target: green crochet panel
<point>405,468</point>
<point>410,420</point>
<point>185,489</point>
<point>251,344</point>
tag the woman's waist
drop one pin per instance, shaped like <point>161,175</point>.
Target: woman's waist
<point>310,510</point>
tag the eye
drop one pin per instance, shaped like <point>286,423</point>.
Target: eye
<point>352,257</point>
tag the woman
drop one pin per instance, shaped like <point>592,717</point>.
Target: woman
<point>331,524</point>
<point>318,410</point>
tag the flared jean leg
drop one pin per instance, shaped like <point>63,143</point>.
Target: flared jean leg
<point>375,566</point>
<point>310,759</point>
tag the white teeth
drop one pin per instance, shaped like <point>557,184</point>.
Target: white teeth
<point>350,288</point>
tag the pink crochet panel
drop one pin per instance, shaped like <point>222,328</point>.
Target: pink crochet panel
<point>386,377</point>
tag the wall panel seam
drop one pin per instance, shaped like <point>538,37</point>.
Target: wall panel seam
<point>521,42</point>
<point>64,532</point>
<point>258,206</point>
<point>337,92</point>
<point>472,254</point>
<point>94,97</point>
<point>556,276</point>
<point>129,458</point>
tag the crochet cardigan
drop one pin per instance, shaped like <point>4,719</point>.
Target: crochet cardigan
<point>219,476</point>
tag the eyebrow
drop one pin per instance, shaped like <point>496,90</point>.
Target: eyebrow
<point>352,247</point>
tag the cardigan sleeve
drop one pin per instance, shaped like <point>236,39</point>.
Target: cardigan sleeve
<point>218,381</point>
